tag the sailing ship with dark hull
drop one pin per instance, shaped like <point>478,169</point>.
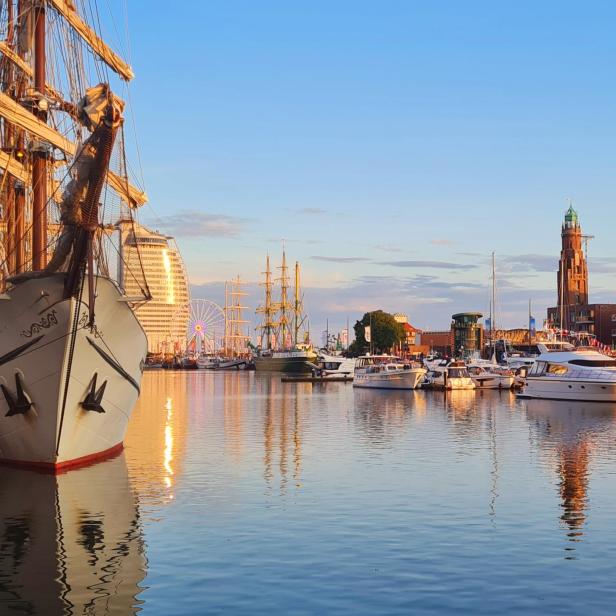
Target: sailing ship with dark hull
<point>72,351</point>
<point>281,348</point>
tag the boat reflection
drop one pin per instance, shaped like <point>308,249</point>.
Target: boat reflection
<point>382,415</point>
<point>569,434</point>
<point>282,431</point>
<point>72,543</point>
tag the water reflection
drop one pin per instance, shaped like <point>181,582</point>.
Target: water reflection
<point>569,433</point>
<point>71,544</point>
<point>282,430</point>
<point>156,438</point>
<point>382,415</point>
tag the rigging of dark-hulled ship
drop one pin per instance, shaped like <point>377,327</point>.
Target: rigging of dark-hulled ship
<point>71,348</point>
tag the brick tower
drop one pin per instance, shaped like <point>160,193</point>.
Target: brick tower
<point>572,270</point>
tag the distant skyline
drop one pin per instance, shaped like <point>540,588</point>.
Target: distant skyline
<point>393,146</point>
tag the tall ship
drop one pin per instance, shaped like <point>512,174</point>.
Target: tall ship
<point>72,350</point>
<point>284,346</point>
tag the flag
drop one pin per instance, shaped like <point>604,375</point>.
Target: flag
<point>367,333</point>
<point>487,324</point>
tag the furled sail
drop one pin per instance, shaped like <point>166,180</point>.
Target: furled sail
<point>21,117</point>
<point>98,46</point>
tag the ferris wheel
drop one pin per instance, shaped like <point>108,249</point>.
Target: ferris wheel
<point>206,326</point>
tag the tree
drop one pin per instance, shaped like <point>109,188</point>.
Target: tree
<point>386,332</point>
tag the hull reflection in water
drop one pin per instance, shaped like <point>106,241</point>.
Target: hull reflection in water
<point>570,433</point>
<point>71,543</point>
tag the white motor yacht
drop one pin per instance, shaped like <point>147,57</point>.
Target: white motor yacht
<point>334,366</point>
<point>570,373</point>
<point>387,372</point>
<point>451,376</point>
<point>490,376</point>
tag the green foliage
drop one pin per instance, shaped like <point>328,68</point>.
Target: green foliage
<point>386,333</point>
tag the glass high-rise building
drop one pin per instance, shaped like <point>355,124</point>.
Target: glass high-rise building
<point>150,257</point>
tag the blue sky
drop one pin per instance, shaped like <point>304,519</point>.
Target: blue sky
<point>394,145</point>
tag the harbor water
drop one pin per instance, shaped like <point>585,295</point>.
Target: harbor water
<point>239,494</point>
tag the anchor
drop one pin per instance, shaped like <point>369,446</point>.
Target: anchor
<point>94,397</point>
<point>20,406</point>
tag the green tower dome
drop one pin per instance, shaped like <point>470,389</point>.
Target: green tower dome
<point>571,217</point>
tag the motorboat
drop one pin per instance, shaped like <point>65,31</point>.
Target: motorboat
<point>334,366</point>
<point>570,373</point>
<point>451,376</point>
<point>487,375</point>
<point>387,372</point>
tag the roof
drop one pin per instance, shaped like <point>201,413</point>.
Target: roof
<point>571,216</point>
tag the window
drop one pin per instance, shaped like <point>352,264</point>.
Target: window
<point>557,369</point>
<point>599,363</point>
<point>537,369</point>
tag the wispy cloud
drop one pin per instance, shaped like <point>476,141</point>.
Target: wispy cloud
<point>310,211</point>
<point>339,259</point>
<point>430,264</point>
<point>191,223</point>
<point>528,263</point>
<point>442,242</point>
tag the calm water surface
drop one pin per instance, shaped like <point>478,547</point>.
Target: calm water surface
<point>239,494</point>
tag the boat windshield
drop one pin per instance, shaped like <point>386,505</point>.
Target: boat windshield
<point>458,373</point>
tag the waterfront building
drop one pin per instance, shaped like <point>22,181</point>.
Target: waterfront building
<point>572,311</point>
<point>165,317</point>
<point>467,333</point>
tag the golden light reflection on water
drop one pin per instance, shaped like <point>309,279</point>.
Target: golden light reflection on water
<point>156,439</point>
<point>168,455</point>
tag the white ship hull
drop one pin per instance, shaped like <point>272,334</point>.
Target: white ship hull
<point>568,389</point>
<point>493,381</point>
<point>48,350</point>
<point>399,379</point>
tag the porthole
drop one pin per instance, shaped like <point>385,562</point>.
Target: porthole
<point>570,386</point>
<point>583,386</point>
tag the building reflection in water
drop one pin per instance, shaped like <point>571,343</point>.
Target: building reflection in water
<point>72,543</point>
<point>156,438</point>
<point>569,434</point>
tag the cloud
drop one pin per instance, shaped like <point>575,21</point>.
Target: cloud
<point>442,242</point>
<point>310,211</point>
<point>430,264</point>
<point>339,259</point>
<point>190,223</point>
<point>528,263</point>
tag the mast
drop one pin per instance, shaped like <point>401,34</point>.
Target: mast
<point>226,340</point>
<point>267,310</point>
<point>236,340</point>
<point>493,307</point>
<point>39,156</point>
<point>296,307</point>
<point>283,307</point>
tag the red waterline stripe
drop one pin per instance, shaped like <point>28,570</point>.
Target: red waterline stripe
<point>57,468</point>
